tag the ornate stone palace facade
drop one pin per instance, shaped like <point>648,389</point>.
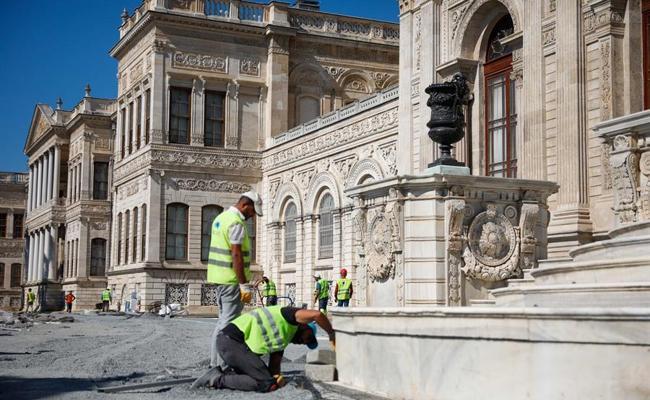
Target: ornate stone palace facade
<point>13,196</point>
<point>219,96</point>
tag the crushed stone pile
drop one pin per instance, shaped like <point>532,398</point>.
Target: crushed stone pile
<point>22,320</point>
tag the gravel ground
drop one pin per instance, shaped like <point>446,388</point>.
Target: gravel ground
<point>72,360</point>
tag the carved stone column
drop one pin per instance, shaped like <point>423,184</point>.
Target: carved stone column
<point>159,93</point>
<point>57,169</point>
<point>198,112</point>
<point>624,164</point>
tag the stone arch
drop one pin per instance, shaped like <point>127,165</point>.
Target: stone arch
<point>320,182</point>
<point>351,77</point>
<point>480,18</point>
<point>307,70</point>
<point>286,191</point>
<point>362,168</point>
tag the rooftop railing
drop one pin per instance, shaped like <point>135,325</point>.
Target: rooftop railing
<point>14,177</point>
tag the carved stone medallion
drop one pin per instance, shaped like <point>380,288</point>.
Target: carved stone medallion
<point>381,260</point>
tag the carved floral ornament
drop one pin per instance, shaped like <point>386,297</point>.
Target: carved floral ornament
<point>200,62</point>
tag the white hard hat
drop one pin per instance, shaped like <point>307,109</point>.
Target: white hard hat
<point>257,201</point>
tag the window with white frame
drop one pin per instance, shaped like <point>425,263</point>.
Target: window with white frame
<point>326,227</point>
<point>290,214</point>
<point>208,214</point>
<point>176,244</point>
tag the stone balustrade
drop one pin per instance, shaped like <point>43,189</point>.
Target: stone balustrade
<point>626,165</point>
<point>274,13</point>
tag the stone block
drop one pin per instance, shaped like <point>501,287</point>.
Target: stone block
<point>319,372</point>
<point>321,356</point>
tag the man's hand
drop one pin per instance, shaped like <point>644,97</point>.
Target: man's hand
<point>333,340</point>
<point>246,293</point>
<point>279,380</point>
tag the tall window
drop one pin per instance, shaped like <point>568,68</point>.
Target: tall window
<point>179,115</point>
<point>119,238</point>
<point>290,215</point>
<point>326,227</point>
<point>500,111</point>
<point>16,275</point>
<point>147,112</point>
<point>134,248</point>
<point>646,53</point>
<point>2,275</point>
<point>176,248</point>
<point>127,235</point>
<point>130,147</point>
<point>98,257</point>
<point>100,181</point>
<point>208,214</point>
<point>138,121</point>
<point>214,119</point>
<point>18,226</point>
<point>143,230</point>
<point>123,134</point>
<point>251,224</point>
<point>3,225</point>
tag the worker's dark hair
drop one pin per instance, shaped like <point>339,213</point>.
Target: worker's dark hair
<point>243,200</point>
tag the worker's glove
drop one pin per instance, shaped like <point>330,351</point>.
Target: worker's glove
<point>279,380</point>
<point>333,340</point>
<point>246,293</point>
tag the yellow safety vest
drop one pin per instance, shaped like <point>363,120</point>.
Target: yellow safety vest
<point>220,269</point>
<point>324,286</point>
<point>344,288</point>
<point>31,296</point>
<point>270,289</point>
<point>106,295</point>
<point>265,330</point>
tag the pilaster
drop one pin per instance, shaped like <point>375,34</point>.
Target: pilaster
<point>405,128</point>
<point>277,81</point>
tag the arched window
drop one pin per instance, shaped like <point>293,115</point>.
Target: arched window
<point>16,275</point>
<point>208,214</point>
<point>143,225</point>
<point>290,214</point>
<point>176,248</point>
<point>308,109</point>
<point>500,110</point>
<point>98,257</point>
<point>119,239</point>
<point>326,227</point>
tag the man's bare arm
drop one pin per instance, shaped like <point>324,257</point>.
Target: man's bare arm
<point>238,262</point>
<point>308,316</point>
<point>275,362</point>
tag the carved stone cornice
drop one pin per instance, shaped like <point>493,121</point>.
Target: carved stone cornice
<point>210,185</point>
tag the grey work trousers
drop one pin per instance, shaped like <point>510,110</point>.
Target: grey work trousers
<point>250,373</point>
<point>230,307</point>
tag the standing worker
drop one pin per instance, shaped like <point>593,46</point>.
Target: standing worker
<point>267,330</point>
<point>107,299</point>
<point>270,292</point>
<point>229,263</point>
<point>343,289</point>
<point>31,297</point>
<point>322,293</point>
<point>69,298</point>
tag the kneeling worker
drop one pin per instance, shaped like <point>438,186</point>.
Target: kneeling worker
<point>266,330</point>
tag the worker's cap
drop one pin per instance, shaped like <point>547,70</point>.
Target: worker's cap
<point>314,343</point>
<point>256,199</point>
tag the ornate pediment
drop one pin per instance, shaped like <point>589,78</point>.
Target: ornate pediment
<point>41,123</point>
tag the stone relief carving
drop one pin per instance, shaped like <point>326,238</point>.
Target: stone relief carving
<point>382,242</point>
<point>605,84</point>
<point>456,17</point>
<point>380,79</point>
<point>529,218</point>
<point>273,190</point>
<point>130,189</point>
<point>389,155</point>
<point>200,62</point>
<point>605,152</point>
<point>99,226</point>
<point>335,72</point>
<point>492,252</point>
<point>210,185</point>
<point>366,166</point>
<point>207,160</point>
<point>418,40</point>
<point>625,177</point>
<point>11,248</point>
<point>455,210</point>
<point>249,66</point>
<point>644,197</point>
<point>353,132</point>
<point>594,21</point>
<point>548,37</point>
<point>136,72</point>
<point>132,166</point>
<point>357,85</point>
<point>343,166</point>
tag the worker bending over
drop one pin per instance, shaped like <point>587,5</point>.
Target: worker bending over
<point>266,330</point>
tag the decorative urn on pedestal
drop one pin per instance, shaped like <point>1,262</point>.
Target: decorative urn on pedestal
<point>447,123</point>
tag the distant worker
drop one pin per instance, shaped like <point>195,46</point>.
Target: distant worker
<point>69,299</point>
<point>270,292</point>
<point>343,289</point>
<point>107,299</point>
<point>31,297</point>
<point>229,263</point>
<point>322,293</point>
<point>263,331</point>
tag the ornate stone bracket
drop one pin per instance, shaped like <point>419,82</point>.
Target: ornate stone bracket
<point>455,214</point>
<point>624,165</point>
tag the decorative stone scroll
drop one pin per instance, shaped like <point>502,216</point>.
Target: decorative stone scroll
<point>200,62</point>
<point>211,185</point>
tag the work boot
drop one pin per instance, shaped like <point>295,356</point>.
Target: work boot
<point>208,379</point>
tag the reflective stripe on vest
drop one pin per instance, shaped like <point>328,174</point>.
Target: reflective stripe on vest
<point>220,269</point>
<point>106,295</point>
<point>265,330</point>
<point>344,288</point>
<point>270,289</point>
<point>324,286</point>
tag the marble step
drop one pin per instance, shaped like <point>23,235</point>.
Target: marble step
<point>631,230</point>
<point>628,294</point>
<point>628,269</point>
<point>482,303</point>
<point>611,249</point>
<point>521,282</point>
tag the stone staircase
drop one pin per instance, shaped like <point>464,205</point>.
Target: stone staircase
<point>609,273</point>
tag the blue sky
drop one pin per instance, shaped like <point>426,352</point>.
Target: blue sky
<point>53,48</point>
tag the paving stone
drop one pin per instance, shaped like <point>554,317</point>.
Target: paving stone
<point>320,372</point>
<point>320,356</point>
